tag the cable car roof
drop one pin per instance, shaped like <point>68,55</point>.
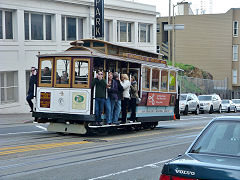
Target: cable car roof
<point>78,49</point>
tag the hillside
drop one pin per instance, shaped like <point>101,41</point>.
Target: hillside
<point>191,71</point>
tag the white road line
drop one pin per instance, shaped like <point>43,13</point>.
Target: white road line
<point>153,165</point>
<point>20,133</point>
<point>45,129</point>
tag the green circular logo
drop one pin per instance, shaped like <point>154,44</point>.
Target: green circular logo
<point>79,98</point>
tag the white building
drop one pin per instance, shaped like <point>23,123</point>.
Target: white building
<point>30,27</point>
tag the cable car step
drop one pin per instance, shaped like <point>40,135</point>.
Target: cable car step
<point>115,125</point>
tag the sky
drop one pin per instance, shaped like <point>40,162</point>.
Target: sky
<point>218,6</point>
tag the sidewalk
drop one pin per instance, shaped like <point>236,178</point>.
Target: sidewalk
<point>6,119</point>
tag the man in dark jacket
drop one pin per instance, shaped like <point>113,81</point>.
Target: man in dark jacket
<point>117,107</point>
<point>32,82</point>
<point>100,96</point>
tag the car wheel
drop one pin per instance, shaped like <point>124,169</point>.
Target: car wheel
<point>202,112</point>
<point>185,112</point>
<point>220,109</point>
<point>211,110</point>
<point>228,110</point>
<point>197,111</point>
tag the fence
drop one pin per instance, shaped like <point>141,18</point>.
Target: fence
<point>206,86</point>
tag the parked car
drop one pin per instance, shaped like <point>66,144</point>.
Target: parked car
<point>210,103</point>
<point>189,103</point>
<point>237,103</point>
<point>215,154</point>
<point>228,106</point>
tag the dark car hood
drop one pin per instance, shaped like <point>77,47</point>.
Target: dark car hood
<point>203,166</point>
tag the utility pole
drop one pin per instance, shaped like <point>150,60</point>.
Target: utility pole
<point>169,32</point>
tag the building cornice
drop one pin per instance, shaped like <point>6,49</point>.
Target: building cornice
<point>117,5</point>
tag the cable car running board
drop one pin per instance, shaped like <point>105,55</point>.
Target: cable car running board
<point>115,125</point>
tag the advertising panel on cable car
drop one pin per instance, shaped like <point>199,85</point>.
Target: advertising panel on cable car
<point>66,100</point>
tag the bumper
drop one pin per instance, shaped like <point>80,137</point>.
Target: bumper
<point>61,117</point>
<point>204,108</point>
<point>225,108</point>
<point>181,108</point>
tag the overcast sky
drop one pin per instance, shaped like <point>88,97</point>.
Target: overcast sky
<point>218,6</point>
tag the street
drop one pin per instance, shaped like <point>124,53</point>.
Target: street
<point>28,151</point>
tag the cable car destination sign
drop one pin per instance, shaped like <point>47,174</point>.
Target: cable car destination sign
<point>99,18</point>
<point>144,58</point>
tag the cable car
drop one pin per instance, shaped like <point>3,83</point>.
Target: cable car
<point>65,99</point>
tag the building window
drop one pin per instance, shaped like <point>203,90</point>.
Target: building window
<point>8,87</point>
<point>158,49</point>
<point>124,31</point>
<point>235,28</point>
<point>6,24</point>
<point>144,33</point>
<point>38,26</point>
<point>72,28</point>
<point>158,27</point>
<point>107,30</point>
<point>235,52</point>
<point>234,76</point>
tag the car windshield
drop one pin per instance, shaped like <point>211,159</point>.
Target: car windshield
<point>225,101</point>
<point>183,97</point>
<point>221,137</point>
<point>236,101</point>
<point>205,98</point>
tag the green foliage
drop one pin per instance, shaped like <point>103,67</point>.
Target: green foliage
<point>185,67</point>
<point>188,86</point>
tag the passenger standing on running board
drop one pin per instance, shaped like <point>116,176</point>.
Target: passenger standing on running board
<point>100,96</point>
<point>112,99</point>
<point>32,82</point>
<point>117,107</point>
<point>133,100</point>
<point>126,96</point>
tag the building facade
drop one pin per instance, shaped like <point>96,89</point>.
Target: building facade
<point>32,27</point>
<point>210,42</point>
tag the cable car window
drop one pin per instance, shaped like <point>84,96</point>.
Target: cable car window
<point>155,79</point>
<point>81,72</point>
<point>45,72</point>
<point>164,80</point>
<point>146,78</point>
<point>172,81</point>
<point>62,74</point>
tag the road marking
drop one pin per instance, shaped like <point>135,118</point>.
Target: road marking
<point>150,134</point>
<point>153,165</point>
<point>45,129</point>
<point>20,133</point>
<point>17,149</point>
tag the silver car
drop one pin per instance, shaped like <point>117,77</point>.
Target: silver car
<point>228,106</point>
<point>237,103</point>
<point>189,103</point>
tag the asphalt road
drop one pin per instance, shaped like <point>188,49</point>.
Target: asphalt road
<point>28,151</point>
